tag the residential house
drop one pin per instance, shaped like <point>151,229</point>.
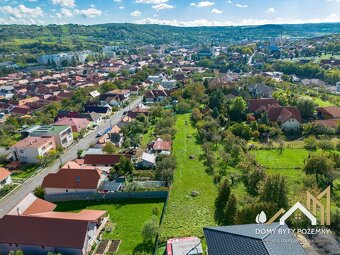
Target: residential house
<point>134,90</point>
<point>155,95</point>
<point>261,104</point>
<point>162,147</point>
<point>245,239</point>
<point>260,91</point>
<point>95,107</point>
<point>54,232</point>
<point>30,149</point>
<point>77,124</point>
<point>312,82</point>
<point>328,112</point>
<point>68,181</point>
<point>116,136</point>
<point>140,109</point>
<point>62,134</point>
<point>93,117</point>
<point>288,117</point>
<point>148,161</point>
<point>125,121</point>
<point>5,177</point>
<point>103,160</point>
<point>169,84</point>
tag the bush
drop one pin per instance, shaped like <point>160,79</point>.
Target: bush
<point>155,211</point>
<point>310,143</point>
<point>39,192</point>
<point>150,230</point>
<point>326,145</point>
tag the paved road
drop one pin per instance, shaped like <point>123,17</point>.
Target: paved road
<point>251,59</point>
<point>20,193</point>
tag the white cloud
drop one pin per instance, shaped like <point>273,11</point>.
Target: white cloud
<point>136,13</point>
<point>162,6</point>
<point>205,4</point>
<point>178,23</point>
<point>270,10</point>
<point>64,13</point>
<point>229,1</point>
<point>216,11</point>
<point>192,4</point>
<point>203,22</point>
<point>32,1</point>
<point>333,0</point>
<point>121,7</point>
<point>88,13</point>
<point>151,1</point>
<point>117,1</point>
<point>241,5</point>
<point>92,5</point>
<point>21,11</point>
<point>65,3</point>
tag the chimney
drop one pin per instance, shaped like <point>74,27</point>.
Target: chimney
<point>18,211</point>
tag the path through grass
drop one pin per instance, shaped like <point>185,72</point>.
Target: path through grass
<point>186,215</point>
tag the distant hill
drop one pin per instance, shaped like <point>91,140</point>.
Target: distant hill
<point>55,38</point>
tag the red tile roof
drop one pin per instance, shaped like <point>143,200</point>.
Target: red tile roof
<point>77,124</point>
<point>332,123</point>
<point>103,159</point>
<point>260,104</point>
<point>39,206</point>
<point>34,142</point>
<point>162,146</point>
<point>40,231</point>
<point>72,179</point>
<point>334,111</point>
<point>87,215</point>
<point>283,113</point>
<point>4,173</point>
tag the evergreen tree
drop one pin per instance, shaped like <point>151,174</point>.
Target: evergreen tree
<point>229,213</point>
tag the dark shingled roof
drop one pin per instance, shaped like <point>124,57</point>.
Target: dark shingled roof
<point>243,240</point>
<point>28,230</point>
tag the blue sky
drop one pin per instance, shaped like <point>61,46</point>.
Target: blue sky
<point>169,12</point>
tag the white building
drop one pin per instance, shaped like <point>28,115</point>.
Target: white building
<point>30,149</point>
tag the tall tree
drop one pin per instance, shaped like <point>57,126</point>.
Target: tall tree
<point>275,191</point>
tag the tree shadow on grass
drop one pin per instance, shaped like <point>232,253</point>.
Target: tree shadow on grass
<point>144,248</point>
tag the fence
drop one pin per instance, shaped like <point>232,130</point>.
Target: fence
<point>106,196</point>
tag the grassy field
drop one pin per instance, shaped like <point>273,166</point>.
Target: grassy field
<point>186,215</point>
<point>289,158</point>
<point>127,217</point>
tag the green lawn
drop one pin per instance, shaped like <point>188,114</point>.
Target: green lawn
<point>186,215</point>
<point>127,217</point>
<point>289,158</point>
<point>26,171</point>
<point>321,103</point>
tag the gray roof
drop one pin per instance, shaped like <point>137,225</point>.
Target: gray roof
<point>244,240</point>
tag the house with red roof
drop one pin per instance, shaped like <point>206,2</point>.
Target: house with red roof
<point>162,147</point>
<point>328,112</point>
<point>288,117</point>
<point>67,181</point>
<point>34,227</point>
<point>5,177</point>
<point>77,124</point>
<point>260,104</point>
